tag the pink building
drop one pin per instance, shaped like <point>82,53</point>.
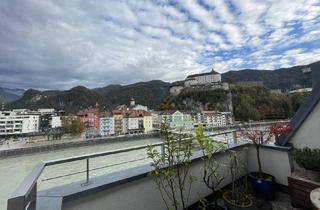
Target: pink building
<point>90,117</point>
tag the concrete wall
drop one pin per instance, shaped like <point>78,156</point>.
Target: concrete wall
<point>141,194</point>
<point>274,162</point>
<point>308,135</point>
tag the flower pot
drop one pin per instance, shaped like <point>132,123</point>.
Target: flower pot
<point>232,205</point>
<point>263,186</point>
<point>313,175</point>
<point>278,141</point>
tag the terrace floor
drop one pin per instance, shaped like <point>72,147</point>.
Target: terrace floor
<point>282,202</point>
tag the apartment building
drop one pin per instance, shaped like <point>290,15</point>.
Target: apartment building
<point>118,122</point>
<point>13,123</point>
<point>214,118</point>
<point>90,117</point>
<point>106,125</point>
<point>181,120</point>
<point>148,122</point>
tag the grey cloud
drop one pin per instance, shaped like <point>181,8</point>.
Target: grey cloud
<point>58,44</point>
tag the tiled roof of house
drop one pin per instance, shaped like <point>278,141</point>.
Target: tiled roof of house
<point>88,110</point>
<point>131,113</point>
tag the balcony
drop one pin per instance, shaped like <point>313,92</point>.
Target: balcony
<point>133,188</point>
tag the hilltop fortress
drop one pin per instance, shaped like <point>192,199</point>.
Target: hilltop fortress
<point>204,81</point>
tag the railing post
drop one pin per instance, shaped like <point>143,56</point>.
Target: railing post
<point>88,170</point>
<point>87,173</point>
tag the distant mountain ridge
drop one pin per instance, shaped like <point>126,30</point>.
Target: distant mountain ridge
<point>150,93</point>
<point>10,94</point>
<point>284,78</point>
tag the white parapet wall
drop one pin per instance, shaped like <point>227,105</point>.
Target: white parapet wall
<point>142,194</point>
<point>274,160</point>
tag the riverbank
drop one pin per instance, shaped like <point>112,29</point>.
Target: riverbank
<point>57,145</point>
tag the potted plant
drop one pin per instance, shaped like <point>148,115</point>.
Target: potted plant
<point>309,159</point>
<point>278,130</point>
<point>172,167</point>
<point>263,184</point>
<point>236,198</point>
<point>211,176</point>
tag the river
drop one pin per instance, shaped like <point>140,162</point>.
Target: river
<point>15,169</point>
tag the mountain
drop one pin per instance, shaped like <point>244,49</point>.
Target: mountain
<point>284,78</point>
<point>70,100</point>
<point>9,95</point>
<point>150,93</point>
<point>147,93</point>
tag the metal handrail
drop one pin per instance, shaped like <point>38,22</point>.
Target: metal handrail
<point>26,192</point>
<point>94,169</point>
<point>20,198</point>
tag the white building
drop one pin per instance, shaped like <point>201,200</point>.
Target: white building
<point>140,107</point>
<point>202,79</point>
<point>56,122</point>
<point>135,106</point>
<point>48,117</point>
<point>214,118</point>
<point>106,126</point>
<point>46,111</point>
<point>206,81</point>
<point>15,123</point>
<point>135,121</point>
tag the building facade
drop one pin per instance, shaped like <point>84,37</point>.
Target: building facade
<point>106,126</point>
<point>118,122</point>
<point>135,121</point>
<point>90,118</point>
<point>181,120</point>
<point>204,81</point>
<point>56,122</point>
<point>204,78</point>
<point>148,122</point>
<point>215,118</point>
<point>12,123</point>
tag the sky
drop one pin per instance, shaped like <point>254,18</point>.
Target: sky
<point>59,44</point>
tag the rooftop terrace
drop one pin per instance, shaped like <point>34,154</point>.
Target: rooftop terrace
<point>133,188</point>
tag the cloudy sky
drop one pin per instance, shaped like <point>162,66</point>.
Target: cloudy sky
<point>57,44</point>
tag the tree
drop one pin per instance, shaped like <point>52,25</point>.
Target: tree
<point>257,137</point>
<point>73,126</point>
<point>172,166</point>
<point>279,129</point>
<point>211,176</point>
